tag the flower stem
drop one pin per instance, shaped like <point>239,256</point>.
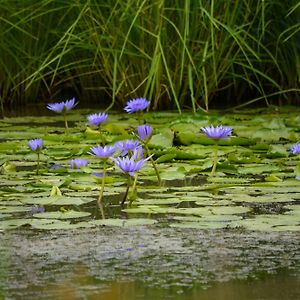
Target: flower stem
<point>133,191</point>
<point>102,139</point>
<point>215,160</point>
<point>99,202</point>
<point>153,164</point>
<point>140,117</point>
<point>126,192</point>
<point>38,163</point>
<point>66,122</point>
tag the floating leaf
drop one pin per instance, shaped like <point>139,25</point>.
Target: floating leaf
<point>58,200</point>
<point>51,224</point>
<point>164,139</point>
<point>276,151</point>
<point>124,222</point>
<point>14,209</point>
<point>59,215</point>
<point>13,223</point>
<point>55,191</point>
<point>258,169</point>
<point>7,167</point>
<point>200,225</point>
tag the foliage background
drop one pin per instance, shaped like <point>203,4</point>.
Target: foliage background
<point>180,54</point>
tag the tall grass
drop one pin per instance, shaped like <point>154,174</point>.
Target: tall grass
<point>180,54</point>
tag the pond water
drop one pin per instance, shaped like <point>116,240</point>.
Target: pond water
<point>231,236</point>
<point>149,263</point>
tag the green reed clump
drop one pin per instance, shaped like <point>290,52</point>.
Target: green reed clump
<point>178,53</point>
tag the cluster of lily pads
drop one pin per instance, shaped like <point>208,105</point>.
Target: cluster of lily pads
<point>165,166</point>
<point>130,155</point>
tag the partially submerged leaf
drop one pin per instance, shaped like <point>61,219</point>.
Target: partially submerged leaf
<point>62,215</point>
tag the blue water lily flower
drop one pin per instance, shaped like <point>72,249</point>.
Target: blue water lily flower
<point>127,146</point>
<point>36,144</point>
<point>137,104</point>
<point>77,163</point>
<point>218,132</point>
<point>295,149</point>
<point>35,209</point>
<point>130,164</point>
<point>144,132</point>
<point>97,119</point>
<point>103,152</point>
<point>62,106</point>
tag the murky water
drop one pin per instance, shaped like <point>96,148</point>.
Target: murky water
<point>149,263</point>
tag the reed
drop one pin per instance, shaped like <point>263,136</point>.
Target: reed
<point>180,54</point>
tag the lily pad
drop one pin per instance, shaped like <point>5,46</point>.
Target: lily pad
<point>58,200</point>
<point>59,215</point>
<point>14,209</point>
<point>200,225</point>
<point>52,224</point>
<point>124,222</point>
<point>13,223</point>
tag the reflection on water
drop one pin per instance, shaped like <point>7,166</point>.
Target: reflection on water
<point>149,263</point>
<point>83,286</point>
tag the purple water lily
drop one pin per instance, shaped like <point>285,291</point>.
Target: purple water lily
<point>144,132</point>
<point>77,163</point>
<point>97,119</point>
<point>218,132</point>
<point>295,149</point>
<point>36,144</point>
<point>130,164</point>
<point>127,146</point>
<point>103,152</point>
<point>62,106</point>
<point>37,209</point>
<point>137,104</point>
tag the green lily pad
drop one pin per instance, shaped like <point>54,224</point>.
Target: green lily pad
<point>258,169</point>
<point>13,223</point>
<point>58,200</point>
<point>52,224</point>
<point>164,139</point>
<point>270,223</point>
<point>58,215</point>
<point>14,209</point>
<point>208,218</point>
<point>158,201</point>
<point>200,225</point>
<point>124,222</point>
<point>4,216</point>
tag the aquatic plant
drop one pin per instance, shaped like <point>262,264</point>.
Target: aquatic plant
<point>97,119</point>
<point>127,146</point>
<point>103,153</point>
<point>77,163</point>
<point>295,149</point>
<point>144,134</point>
<point>239,51</point>
<point>137,105</point>
<point>63,107</point>
<point>36,145</point>
<point>216,133</point>
<point>130,165</point>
